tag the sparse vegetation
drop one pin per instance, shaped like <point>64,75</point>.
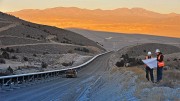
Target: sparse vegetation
<point>175,59</point>
<point>2,49</point>
<point>66,40</point>
<point>67,64</point>
<point>70,51</point>
<point>25,58</point>
<point>12,50</point>
<point>57,39</point>
<point>44,65</point>
<point>120,64</point>
<point>82,49</point>
<point>139,61</point>
<point>17,50</point>
<point>28,36</point>
<point>46,31</point>
<point>28,25</point>
<point>14,57</point>
<point>10,70</point>
<point>5,55</point>
<point>125,57</point>
<point>42,36</point>
<point>144,51</point>
<point>34,55</point>
<point>127,61</point>
<point>44,53</point>
<point>2,61</point>
<point>7,49</point>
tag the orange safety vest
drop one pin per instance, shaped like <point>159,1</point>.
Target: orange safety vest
<point>160,64</point>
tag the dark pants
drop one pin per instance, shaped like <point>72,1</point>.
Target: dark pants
<point>159,73</point>
<point>149,71</point>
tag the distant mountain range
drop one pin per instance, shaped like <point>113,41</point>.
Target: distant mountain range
<point>135,20</point>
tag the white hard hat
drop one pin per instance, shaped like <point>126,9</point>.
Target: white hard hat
<point>157,50</point>
<point>149,53</point>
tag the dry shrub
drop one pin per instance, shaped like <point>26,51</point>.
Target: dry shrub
<point>67,64</point>
<point>171,79</point>
<point>173,75</point>
<point>113,70</point>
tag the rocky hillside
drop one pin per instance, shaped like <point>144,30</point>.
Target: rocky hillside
<point>132,55</point>
<point>27,47</point>
<point>15,31</point>
<point>142,49</point>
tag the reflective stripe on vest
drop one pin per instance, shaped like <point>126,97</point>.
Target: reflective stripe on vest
<point>160,64</point>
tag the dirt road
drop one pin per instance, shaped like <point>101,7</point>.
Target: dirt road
<point>9,26</point>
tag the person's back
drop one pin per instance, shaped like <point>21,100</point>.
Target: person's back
<point>148,69</point>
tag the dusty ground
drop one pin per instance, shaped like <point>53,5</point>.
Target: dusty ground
<point>131,83</point>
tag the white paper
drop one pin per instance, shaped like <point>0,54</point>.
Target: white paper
<point>152,63</point>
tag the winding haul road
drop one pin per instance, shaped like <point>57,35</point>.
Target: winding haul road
<point>61,89</point>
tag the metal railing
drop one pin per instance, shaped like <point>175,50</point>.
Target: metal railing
<point>14,81</point>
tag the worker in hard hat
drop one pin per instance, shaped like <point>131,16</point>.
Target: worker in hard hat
<point>160,65</point>
<point>148,69</point>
